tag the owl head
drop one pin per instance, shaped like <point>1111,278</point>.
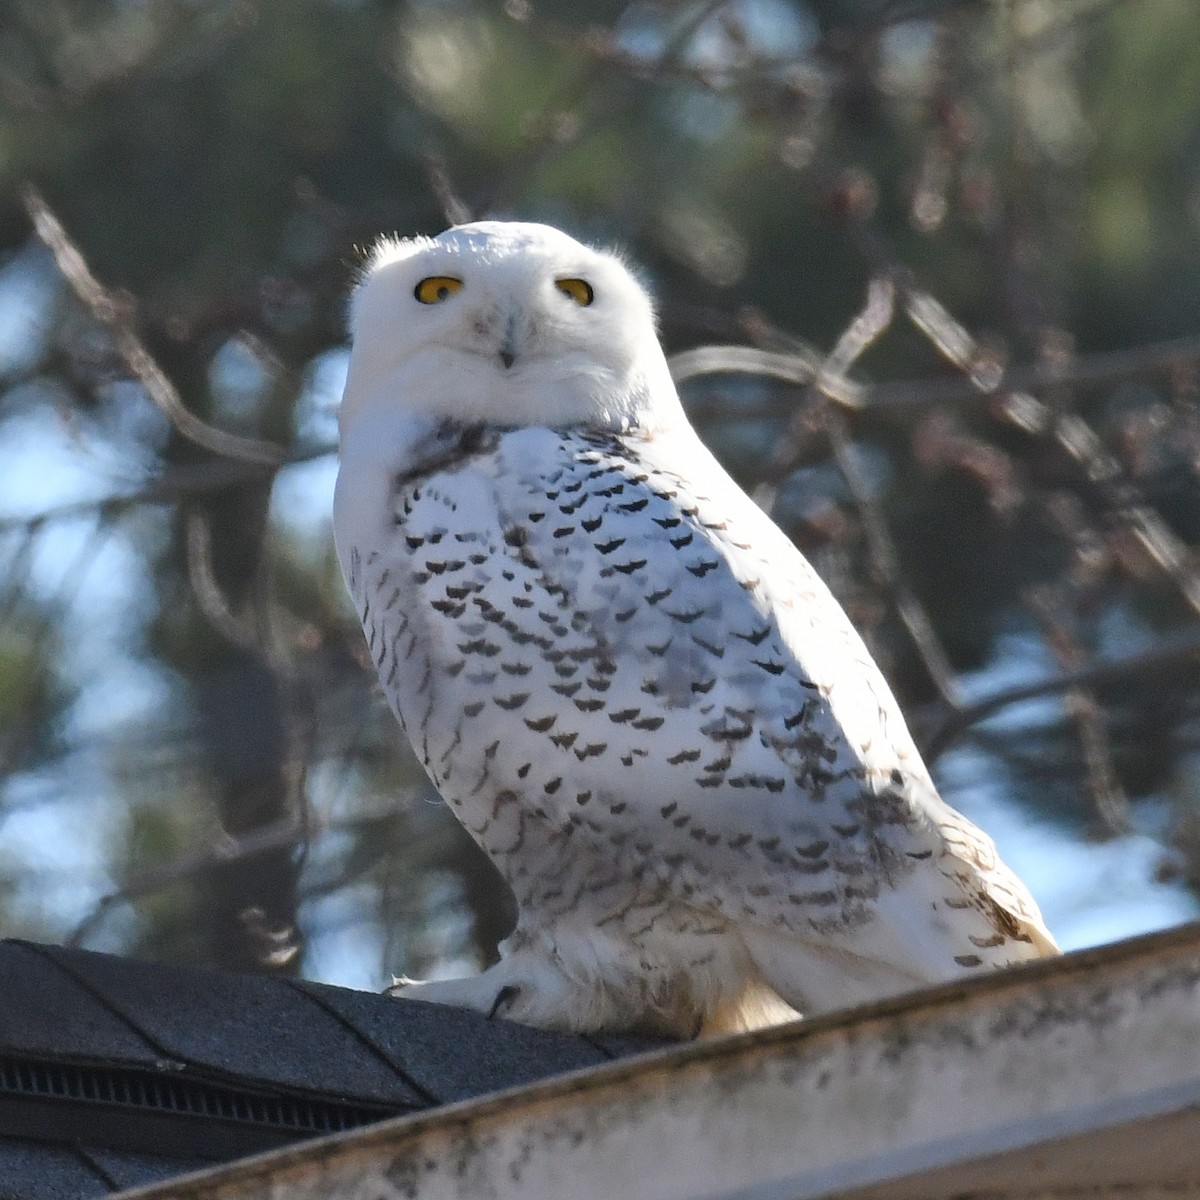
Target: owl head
<point>509,323</point>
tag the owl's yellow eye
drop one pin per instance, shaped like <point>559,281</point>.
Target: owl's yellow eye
<point>578,290</point>
<point>437,288</point>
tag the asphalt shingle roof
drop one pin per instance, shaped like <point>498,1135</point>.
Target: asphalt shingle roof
<point>115,1073</point>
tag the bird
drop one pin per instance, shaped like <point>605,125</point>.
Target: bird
<point>629,685</point>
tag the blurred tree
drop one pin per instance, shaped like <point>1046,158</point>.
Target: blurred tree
<point>193,761</point>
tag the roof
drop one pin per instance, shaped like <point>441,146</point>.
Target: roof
<point>1077,1076</point>
<point>116,1073</point>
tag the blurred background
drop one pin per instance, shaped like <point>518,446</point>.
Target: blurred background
<point>957,240</point>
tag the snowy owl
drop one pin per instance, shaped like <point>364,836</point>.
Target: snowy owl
<point>631,688</point>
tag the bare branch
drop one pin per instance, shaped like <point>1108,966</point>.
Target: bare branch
<point>1083,445</point>
<point>944,728</point>
<point>115,315</point>
<point>455,210</point>
<point>209,596</point>
<point>887,566</point>
<point>1080,704</point>
<point>795,367</point>
<point>952,340</point>
<point>226,848</point>
<point>179,482</point>
<point>827,377</point>
<point>1108,367</point>
<point>874,319</point>
<point>229,849</point>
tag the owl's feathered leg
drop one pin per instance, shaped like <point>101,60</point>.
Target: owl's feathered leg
<point>580,981</point>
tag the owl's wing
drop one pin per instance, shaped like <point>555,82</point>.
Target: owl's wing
<point>654,671</point>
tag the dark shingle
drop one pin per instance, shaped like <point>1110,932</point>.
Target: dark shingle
<point>35,1171</point>
<point>238,1025</point>
<point>45,1012</point>
<point>452,1053</point>
<point>138,1170</point>
<point>126,1073</point>
<point>621,1045</point>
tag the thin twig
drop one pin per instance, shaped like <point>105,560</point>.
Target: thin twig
<point>792,367</point>
<point>208,593</point>
<point>800,367</point>
<point>859,336</point>
<point>945,727</point>
<point>548,141</point>
<point>110,312</point>
<point>180,482</point>
<point>828,378</point>
<point>1048,604</point>
<point>886,562</point>
<point>952,339</point>
<point>455,210</point>
<point>263,643</point>
<point>278,835</point>
<point>275,836</point>
<point>1103,471</point>
<point>1107,367</point>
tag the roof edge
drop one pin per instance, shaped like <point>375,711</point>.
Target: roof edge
<point>1057,1046</point>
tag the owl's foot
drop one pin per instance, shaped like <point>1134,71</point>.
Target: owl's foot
<point>505,998</point>
<point>519,988</point>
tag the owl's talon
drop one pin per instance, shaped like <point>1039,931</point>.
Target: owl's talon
<point>505,998</point>
<point>398,986</point>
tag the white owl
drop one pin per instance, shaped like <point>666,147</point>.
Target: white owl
<point>632,689</point>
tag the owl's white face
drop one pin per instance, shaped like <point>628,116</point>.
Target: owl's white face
<point>507,322</point>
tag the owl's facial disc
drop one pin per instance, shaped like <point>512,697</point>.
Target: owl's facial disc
<point>511,322</point>
<point>512,317</point>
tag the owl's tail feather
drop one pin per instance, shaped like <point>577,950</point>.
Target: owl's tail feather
<point>1043,940</point>
<point>757,1007</point>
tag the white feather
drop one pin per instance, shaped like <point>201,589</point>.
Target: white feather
<point>633,690</point>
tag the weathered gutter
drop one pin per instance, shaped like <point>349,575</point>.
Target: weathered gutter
<point>1039,1074</point>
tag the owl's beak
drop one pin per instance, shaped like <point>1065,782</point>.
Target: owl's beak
<point>508,347</point>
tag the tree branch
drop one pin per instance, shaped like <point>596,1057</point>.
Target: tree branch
<point>801,367</point>
<point>106,309</point>
<point>945,727</point>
